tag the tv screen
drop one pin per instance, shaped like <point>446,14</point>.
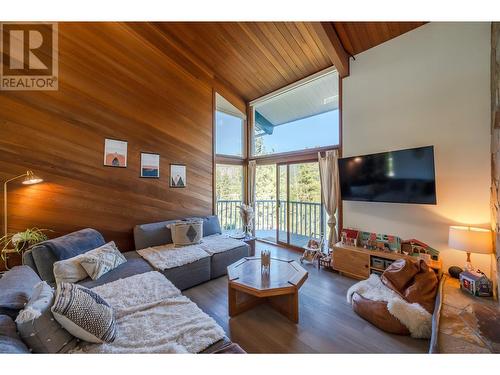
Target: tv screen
<point>404,176</point>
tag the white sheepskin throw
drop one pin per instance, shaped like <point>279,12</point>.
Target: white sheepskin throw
<point>153,317</point>
<point>412,315</point>
<point>168,256</point>
<point>141,289</point>
<point>175,325</point>
<point>219,243</point>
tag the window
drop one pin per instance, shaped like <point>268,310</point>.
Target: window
<point>304,116</point>
<point>229,190</point>
<point>229,129</point>
<point>229,172</point>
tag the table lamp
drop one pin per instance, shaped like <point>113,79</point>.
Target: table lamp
<point>470,240</point>
<point>29,179</point>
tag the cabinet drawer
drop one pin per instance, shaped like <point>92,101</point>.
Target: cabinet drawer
<point>351,262</point>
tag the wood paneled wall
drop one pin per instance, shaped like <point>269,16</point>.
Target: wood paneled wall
<point>116,80</point>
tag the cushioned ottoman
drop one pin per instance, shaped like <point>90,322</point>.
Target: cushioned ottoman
<point>220,261</point>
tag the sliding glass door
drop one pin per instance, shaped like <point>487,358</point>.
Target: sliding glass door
<point>300,210</point>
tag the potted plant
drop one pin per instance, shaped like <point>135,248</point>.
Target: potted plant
<point>22,241</point>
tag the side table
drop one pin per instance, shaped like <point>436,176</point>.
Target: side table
<point>250,240</point>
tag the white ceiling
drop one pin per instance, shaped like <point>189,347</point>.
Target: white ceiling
<point>305,100</point>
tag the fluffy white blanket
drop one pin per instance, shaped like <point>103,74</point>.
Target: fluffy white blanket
<point>152,317</point>
<point>168,256</point>
<point>412,315</point>
<point>218,243</point>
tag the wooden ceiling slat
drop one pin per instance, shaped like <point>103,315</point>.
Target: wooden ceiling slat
<point>256,58</point>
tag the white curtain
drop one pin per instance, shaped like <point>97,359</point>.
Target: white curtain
<point>330,190</point>
<point>251,182</point>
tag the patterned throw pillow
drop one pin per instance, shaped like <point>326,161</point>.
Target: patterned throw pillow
<point>84,313</point>
<point>97,263</point>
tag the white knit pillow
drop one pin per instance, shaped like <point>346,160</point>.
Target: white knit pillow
<point>102,260</point>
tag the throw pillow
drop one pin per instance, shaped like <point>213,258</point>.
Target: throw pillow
<point>97,263</point>
<point>186,232</point>
<point>16,288</point>
<point>71,270</point>
<point>38,328</point>
<point>84,313</point>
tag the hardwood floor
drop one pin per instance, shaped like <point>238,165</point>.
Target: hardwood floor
<point>327,323</point>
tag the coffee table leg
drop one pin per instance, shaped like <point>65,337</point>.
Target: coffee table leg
<point>231,299</point>
<point>287,304</point>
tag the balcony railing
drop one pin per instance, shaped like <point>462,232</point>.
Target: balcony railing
<point>305,217</point>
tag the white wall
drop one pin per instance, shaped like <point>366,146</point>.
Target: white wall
<point>430,86</point>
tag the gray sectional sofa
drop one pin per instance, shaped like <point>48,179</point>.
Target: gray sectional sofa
<point>186,276</point>
<point>42,257</point>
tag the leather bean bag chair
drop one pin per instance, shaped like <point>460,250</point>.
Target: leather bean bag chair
<point>414,281</point>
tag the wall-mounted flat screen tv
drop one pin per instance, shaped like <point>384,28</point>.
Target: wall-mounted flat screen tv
<point>403,176</point>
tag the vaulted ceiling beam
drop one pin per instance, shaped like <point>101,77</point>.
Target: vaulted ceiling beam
<point>327,36</point>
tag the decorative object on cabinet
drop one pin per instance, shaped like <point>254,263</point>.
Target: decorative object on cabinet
<point>455,271</point>
<point>150,165</point>
<point>415,247</point>
<point>178,176</point>
<point>115,153</point>
<point>476,283</point>
<point>470,240</point>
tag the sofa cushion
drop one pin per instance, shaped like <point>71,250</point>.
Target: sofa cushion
<point>156,234</point>
<point>102,260</point>
<point>84,313</point>
<point>48,252</point>
<point>10,342</point>
<point>38,328</point>
<point>133,266</point>
<point>153,234</point>
<point>211,225</point>
<point>73,269</point>
<point>16,288</point>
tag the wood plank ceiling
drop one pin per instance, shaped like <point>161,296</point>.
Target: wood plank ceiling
<point>357,37</point>
<point>256,58</point>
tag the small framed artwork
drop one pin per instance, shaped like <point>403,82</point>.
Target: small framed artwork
<point>150,165</point>
<point>115,153</point>
<point>177,175</point>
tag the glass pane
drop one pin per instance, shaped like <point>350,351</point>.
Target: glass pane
<point>282,217</point>
<point>265,202</point>
<point>302,118</point>
<point>229,134</point>
<point>229,192</point>
<point>305,203</point>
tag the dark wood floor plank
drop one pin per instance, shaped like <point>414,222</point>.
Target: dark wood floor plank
<point>327,323</point>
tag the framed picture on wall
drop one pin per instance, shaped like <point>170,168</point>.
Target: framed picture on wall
<point>115,153</point>
<point>150,165</point>
<point>177,175</point>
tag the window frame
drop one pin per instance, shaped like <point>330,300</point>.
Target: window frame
<point>297,153</point>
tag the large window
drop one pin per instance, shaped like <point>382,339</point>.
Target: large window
<point>229,188</point>
<point>305,116</point>
<point>229,172</point>
<point>229,131</point>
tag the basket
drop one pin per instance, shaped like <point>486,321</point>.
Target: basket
<point>186,232</point>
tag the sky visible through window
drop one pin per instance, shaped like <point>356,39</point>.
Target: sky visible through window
<point>316,131</point>
<point>229,136</point>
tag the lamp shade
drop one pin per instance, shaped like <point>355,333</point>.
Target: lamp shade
<point>472,240</point>
<point>31,179</point>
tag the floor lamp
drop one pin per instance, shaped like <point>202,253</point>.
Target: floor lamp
<point>29,179</point>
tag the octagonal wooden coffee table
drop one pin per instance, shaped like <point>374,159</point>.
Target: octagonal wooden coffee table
<point>249,287</point>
